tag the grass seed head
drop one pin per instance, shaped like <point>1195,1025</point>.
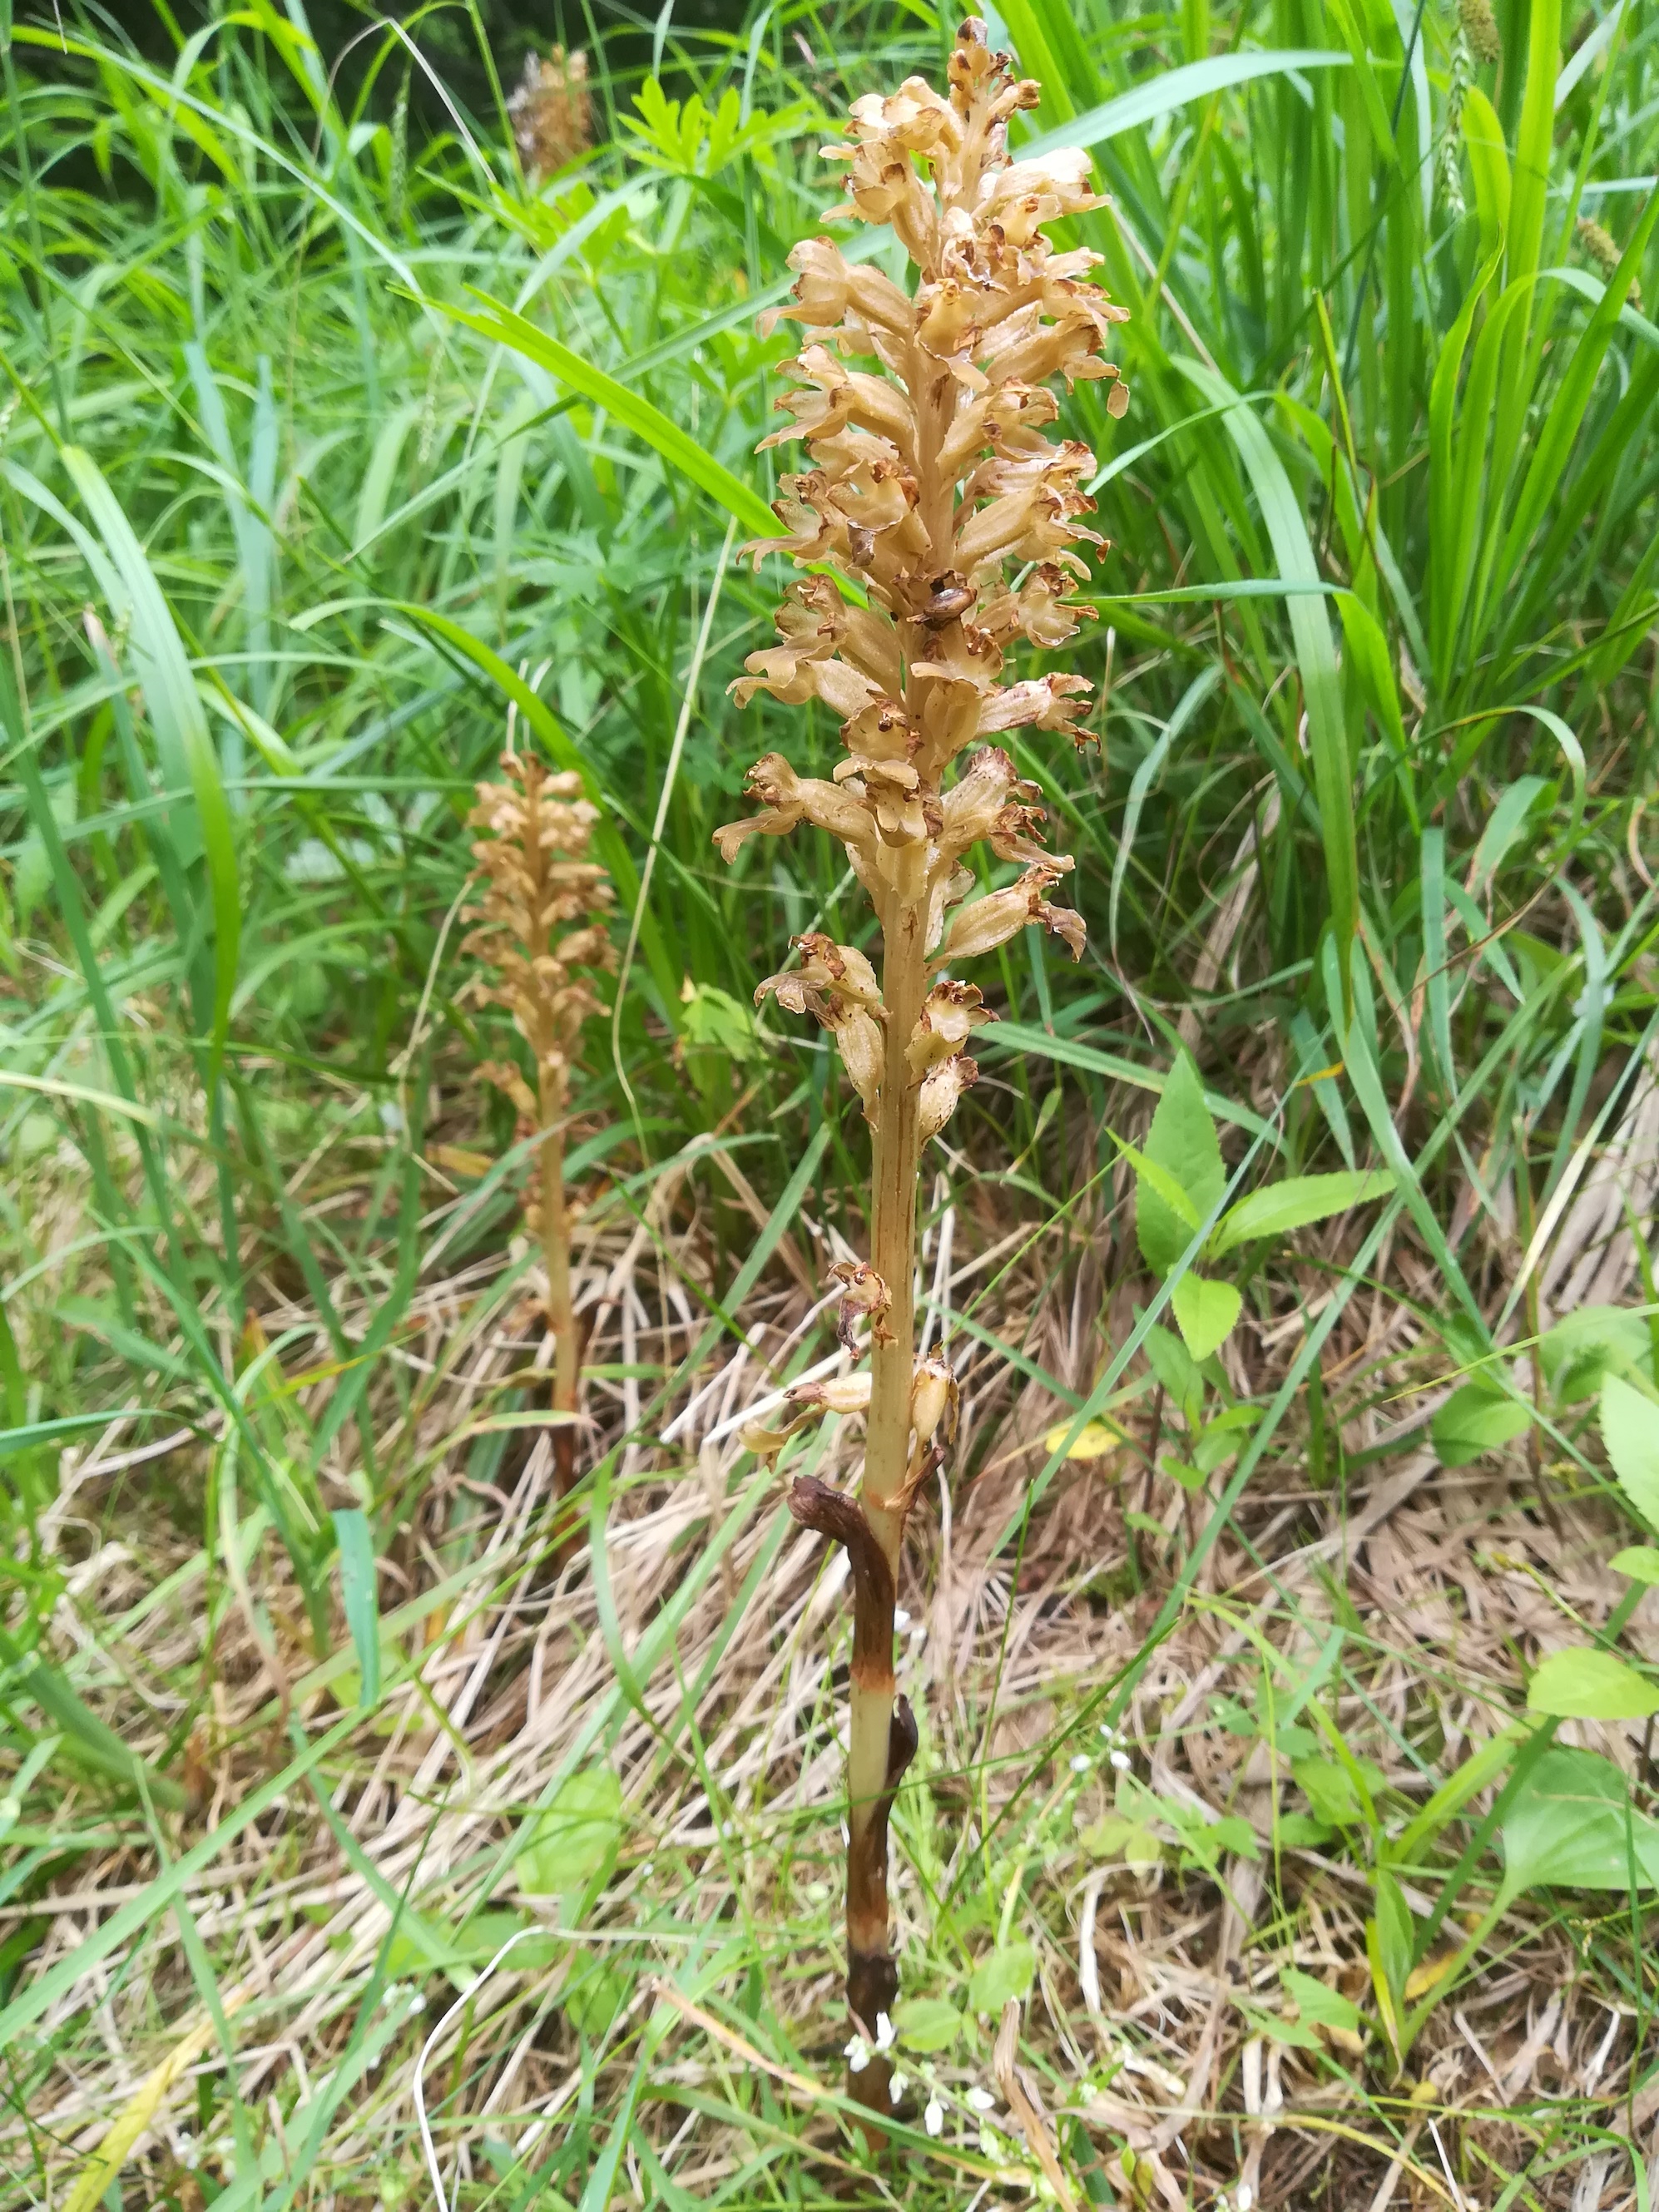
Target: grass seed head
<point>1602,248</point>
<point>1481,29</point>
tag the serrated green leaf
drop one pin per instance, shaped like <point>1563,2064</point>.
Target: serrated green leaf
<point>1183,1143</point>
<point>1205,1313</point>
<point>1294,1204</point>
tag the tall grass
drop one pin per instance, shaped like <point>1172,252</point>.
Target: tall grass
<point>330,448</point>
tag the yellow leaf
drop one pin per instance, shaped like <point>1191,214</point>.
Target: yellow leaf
<point>1092,1441</point>
<point>139,2115</point>
<point>1423,1979</point>
<point>459,1161</point>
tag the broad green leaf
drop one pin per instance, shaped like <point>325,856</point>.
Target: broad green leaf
<point>1330,1788</point>
<point>1587,1685</point>
<point>595,1993</point>
<point>1008,1971</point>
<point>1317,2001</point>
<point>1571,1825</point>
<point>1630,1430</point>
<point>1220,1439</point>
<point>575,1837</point>
<point>1208,1842</point>
<point>1105,1839</point>
<point>927,2023</point>
<point>1182,1470</point>
<point>1283,1207</point>
<point>1277,2027</point>
<point>1182,1142</point>
<point>1587,1346</point>
<point>422,1945</point>
<point>1163,1185</point>
<point>1303,1832</point>
<point>1177,1370</point>
<point>1639,1561</point>
<point>1474,1421</point>
<point>1205,1313</point>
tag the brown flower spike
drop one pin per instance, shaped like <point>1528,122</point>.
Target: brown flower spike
<point>923,418</point>
<point>550,112</point>
<point>542,921</point>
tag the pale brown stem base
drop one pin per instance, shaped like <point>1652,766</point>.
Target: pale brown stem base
<point>554,1223</point>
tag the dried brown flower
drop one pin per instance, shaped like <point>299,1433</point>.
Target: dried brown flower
<point>551,111</point>
<point>540,926</point>
<point>928,474</point>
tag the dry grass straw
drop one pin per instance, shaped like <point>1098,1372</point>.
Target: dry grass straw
<point>1150,2033</point>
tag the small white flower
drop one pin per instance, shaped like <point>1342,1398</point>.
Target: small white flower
<point>885,2037</point>
<point>981,2101</point>
<point>1081,1763</point>
<point>900,1619</point>
<point>858,2054</point>
<point>1246,2196</point>
<point>895,2089</point>
<point>933,2119</point>
<point>1121,1761</point>
<point>417,2002</point>
<point>918,1636</point>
